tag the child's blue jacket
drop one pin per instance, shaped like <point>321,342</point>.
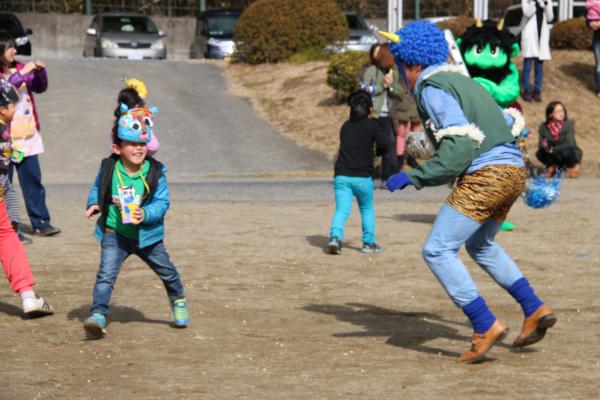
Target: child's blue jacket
<point>155,205</point>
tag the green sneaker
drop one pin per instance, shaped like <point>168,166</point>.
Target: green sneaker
<point>95,325</point>
<point>181,315</point>
<point>507,226</point>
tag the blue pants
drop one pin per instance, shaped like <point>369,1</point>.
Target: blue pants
<point>450,231</point>
<point>115,249</point>
<point>539,74</point>
<point>30,178</point>
<point>346,188</point>
<point>596,47</point>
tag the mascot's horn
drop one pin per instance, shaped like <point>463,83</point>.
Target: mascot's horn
<point>479,23</point>
<point>500,25</point>
<point>392,37</point>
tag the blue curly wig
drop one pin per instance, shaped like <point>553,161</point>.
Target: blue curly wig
<point>421,42</point>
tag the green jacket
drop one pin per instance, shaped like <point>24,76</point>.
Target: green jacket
<point>373,80</point>
<point>566,138</point>
<point>457,146</point>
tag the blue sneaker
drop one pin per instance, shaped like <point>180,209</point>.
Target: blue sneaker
<point>181,315</point>
<point>371,248</point>
<point>95,325</point>
<point>335,245</point>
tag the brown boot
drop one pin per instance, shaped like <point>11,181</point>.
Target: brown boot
<point>535,326</point>
<point>482,342</point>
<point>574,171</point>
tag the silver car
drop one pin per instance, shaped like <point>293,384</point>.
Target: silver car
<point>360,35</point>
<point>129,36</point>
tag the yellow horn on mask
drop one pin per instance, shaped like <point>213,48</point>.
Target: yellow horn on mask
<point>392,37</point>
<point>500,25</point>
<point>479,23</point>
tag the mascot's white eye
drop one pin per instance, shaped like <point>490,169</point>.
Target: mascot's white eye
<point>479,49</point>
<point>148,122</point>
<point>136,126</point>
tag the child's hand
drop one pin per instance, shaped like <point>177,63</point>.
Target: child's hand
<point>93,210</point>
<point>138,216</point>
<point>29,67</point>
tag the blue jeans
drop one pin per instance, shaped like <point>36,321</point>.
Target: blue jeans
<point>115,249</point>
<point>596,47</point>
<point>450,231</point>
<point>539,74</point>
<point>30,178</point>
<point>346,188</point>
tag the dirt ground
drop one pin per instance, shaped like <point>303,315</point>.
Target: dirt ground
<point>273,316</point>
<point>297,99</point>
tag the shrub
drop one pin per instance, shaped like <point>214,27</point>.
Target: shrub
<point>571,34</point>
<point>457,25</point>
<point>273,30</point>
<point>307,54</point>
<point>343,73</point>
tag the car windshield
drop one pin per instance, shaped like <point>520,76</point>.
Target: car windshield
<point>128,25</point>
<point>355,22</point>
<point>10,24</point>
<point>221,26</point>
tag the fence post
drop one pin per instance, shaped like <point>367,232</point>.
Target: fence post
<point>88,7</point>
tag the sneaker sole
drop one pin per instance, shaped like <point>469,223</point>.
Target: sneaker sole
<point>500,339</point>
<point>38,313</point>
<point>546,322</point>
<point>333,249</point>
<point>46,234</point>
<point>94,330</point>
<point>180,326</point>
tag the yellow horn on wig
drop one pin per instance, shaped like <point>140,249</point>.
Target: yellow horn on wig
<point>392,37</point>
<point>500,25</point>
<point>479,23</point>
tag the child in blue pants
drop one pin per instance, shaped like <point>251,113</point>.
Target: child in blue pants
<point>132,196</point>
<point>475,145</point>
<point>354,172</point>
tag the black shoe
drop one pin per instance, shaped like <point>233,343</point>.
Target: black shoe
<point>46,231</point>
<point>537,96</point>
<point>24,239</point>
<point>527,96</point>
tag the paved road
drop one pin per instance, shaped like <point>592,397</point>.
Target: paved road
<point>203,130</point>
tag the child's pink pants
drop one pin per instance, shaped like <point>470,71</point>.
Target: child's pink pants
<point>12,255</point>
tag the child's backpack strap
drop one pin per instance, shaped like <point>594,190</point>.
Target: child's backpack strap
<point>154,174</point>
<point>107,168</point>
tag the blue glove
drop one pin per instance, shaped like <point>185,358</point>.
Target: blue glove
<point>398,181</point>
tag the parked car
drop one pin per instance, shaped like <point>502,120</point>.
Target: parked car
<point>360,35</point>
<point>214,34</point>
<point>11,24</point>
<point>130,36</point>
<point>514,14</point>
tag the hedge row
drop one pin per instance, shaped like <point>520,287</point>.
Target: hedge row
<point>273,30</point>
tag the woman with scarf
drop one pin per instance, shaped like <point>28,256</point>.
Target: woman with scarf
<point>557,145</point>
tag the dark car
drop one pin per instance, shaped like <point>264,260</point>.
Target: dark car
<point>214,34</point>
<point>10,24</point>
<point>130,36</point>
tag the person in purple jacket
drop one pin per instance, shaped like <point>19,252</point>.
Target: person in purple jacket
<point>28,78</point>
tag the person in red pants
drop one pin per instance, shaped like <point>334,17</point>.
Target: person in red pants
<point>12,253</point>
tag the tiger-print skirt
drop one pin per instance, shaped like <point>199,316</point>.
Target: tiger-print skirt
<point>489,192</point>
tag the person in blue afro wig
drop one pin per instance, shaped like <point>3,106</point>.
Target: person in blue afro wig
<point>421,42</point>
<point>475,149</point>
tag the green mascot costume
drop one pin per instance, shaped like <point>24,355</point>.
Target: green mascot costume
<point>487,48</point>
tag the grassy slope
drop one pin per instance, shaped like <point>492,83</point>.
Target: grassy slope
<point>297,100</point>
